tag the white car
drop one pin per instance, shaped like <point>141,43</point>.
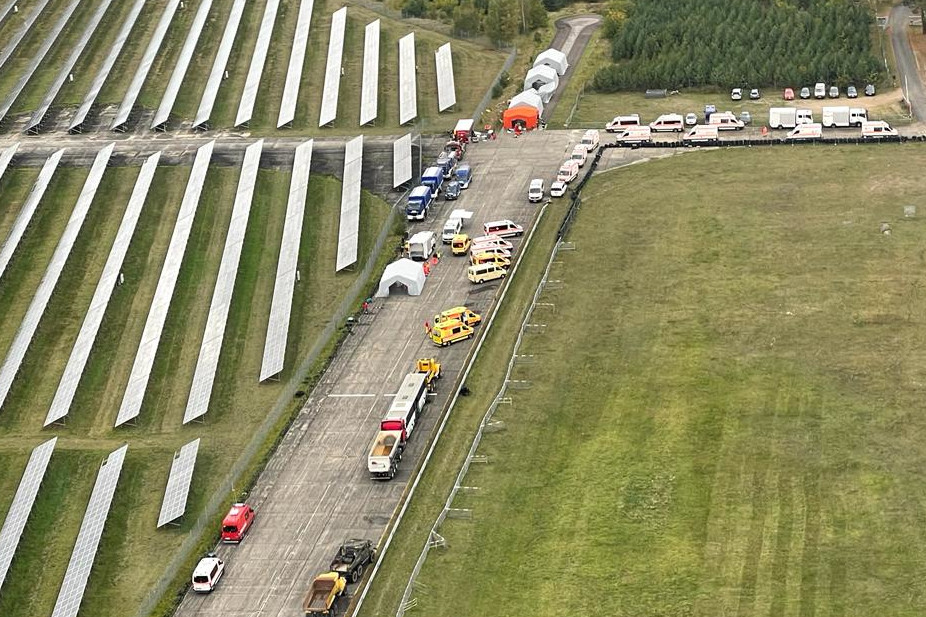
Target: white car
<point>691,119</point>
<point>558,189</point>
<point>207,573</point>
<point>737,94</point>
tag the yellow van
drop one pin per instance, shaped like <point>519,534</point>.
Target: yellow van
<point>485,272</point>
<point>458,313</point>
<point>460,244</point>
<point>449,332</point>
<point>490,258</point>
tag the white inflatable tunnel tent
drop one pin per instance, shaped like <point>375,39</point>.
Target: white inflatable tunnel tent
<point>404,273</point>
<point>554,59</point>
<point>528,97</point>
<point>544,80</point>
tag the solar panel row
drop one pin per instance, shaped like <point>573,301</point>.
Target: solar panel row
<point>77,361</point>
<point>251,84</point>
<point>402,160</point>
<point>178,483</point>
<point>10,46</point>
<point>88,538</point>
<point>5,9</point>
<point>208,362</point>
<point>296,60</point>
<point>329,110</point>
<point>446,90</point>
<point>107,66</point>
<point>141,73</point>
<point>369,90</point>
<point>219,64</point>
<point>183,63</point>
<point>157,314</point>
<point>349,223</point>
<point>30,323</point>
<point>408,89</point>
<point>281,305</point>
<point>28,209</point>
<point>6,156</point>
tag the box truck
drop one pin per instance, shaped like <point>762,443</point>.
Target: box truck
<point>433,178</point>
<point>421,246</point>
<point>788,117</point>
<point>418,203</point>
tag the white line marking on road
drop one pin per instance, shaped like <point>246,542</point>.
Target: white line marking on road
<point>351,395</point>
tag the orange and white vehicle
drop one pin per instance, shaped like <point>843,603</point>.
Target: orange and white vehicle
<point>805,132</point>
<point>726,121</point>
<point>489,250</point>
<point>668,122</point>
<point>491,240</point>
<point>237,522</point>
<point>635,135</point>
<point>568,171</point>
<point>877,129</point>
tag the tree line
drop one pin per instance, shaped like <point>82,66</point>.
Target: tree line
<point>500,20</point>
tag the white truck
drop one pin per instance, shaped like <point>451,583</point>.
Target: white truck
<point>422,245</point>
<point>385,454</point>
<point>843,116</point>
<point>788,117</point>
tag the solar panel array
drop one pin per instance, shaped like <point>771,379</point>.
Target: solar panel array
<point>183,63</point>
<point>56,29</point>
<point>446,90</point>
<point>7,50</point>
<point>23,501</point>
<point>30,323</point>
<point>370,88</point>
<point>141,73</point>
<point>219,64</point>
<point>281,305</point>
<point>349,223</point>
<point>252,83</point>
<point>107,66</point>
<point>208,362</point>
<point>401,160</point>
<point>329,109</point>
<point>296,60</point>
<point>157,314</point>
<point>408,89</point>
<point>28,210</point>
<point>5,9</point>
<point>6,156</point>
<point>77,361</point>
<point>88,538</point>
<point>67,66</point>
<point>178,483</point>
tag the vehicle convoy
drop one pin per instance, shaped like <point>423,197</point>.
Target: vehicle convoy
<point>385,454</point>
<point>433,178</point>
<point>843,116</point>
<point>788,117</point>
<point>351,559</point>
<point>421,246</point>
<point>418,203</point>
<point>237,523</point>
<point>325,590</point>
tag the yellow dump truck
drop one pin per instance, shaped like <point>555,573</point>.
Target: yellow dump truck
<point>430,367</point>
<point>325,590</point>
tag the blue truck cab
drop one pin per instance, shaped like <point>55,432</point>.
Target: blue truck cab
<point>464,174</point>
<point>433,178</point>
<point>447,161</point>
<point>418,204</point>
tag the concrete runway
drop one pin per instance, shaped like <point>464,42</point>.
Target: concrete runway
<point>315,491</point>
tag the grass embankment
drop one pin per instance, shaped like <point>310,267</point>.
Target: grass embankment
<point>132,554</point>
<point>723,412</point>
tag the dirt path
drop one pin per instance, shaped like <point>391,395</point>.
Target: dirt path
<point>906,62</point>
<point>572,36</point>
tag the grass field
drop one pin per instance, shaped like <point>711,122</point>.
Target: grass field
<point>722,418</point>
<point>132,553</point>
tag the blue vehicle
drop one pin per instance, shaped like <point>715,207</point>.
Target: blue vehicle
<point>447,161</point>
<point>464,174</point>
<point>433,178</point>
<point>418,204</point>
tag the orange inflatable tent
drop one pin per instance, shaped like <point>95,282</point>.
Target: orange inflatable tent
<point>525,115</point>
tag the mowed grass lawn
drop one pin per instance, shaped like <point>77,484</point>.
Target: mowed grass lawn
<point>724,416</point>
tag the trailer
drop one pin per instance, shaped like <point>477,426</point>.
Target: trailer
<point>385,454</point>
<point>325,590</point>
<point>788,117</point>
<point>421,246</point>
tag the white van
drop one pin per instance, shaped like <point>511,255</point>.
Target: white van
<point>535,190</point>
<point>819,90</point>
<point>503,228</point>
<point>620,123</point>
<point>480,273</point>
<point>668,122</point>
<point>579,154</point>
<point>876,129</point>
<point>590,140</point>
<point>635,135</point>
<point>568,171</point>
<point>452,227</point>
<point>484,242</point>
<point>805,132</point>
<point>701,134</point>
<point>207,573</point>
<point>726,121</point>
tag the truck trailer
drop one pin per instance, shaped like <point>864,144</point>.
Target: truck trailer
<point>788,117</point>
<point>842,116</point>
<point>433,178</point>
<point>385,454</point>
<point>421,246</point>
<point>325,590</point>
<point>418,203</point>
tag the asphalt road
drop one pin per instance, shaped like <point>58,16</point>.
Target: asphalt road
<point>571,38</point>
<point>315,491</point>
<point>908,73</point>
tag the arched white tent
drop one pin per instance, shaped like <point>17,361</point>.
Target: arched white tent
<point>529,98</point>
<point>544,80</point>
<point>404,272</point>
<point>554,59</point>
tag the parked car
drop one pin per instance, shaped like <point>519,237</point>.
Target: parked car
<point>691,119</point>
<point>736,94</point>
<point>754,94</point>
<point>558,189</point>
<point>207,573</point>
<point>789,94</point>
<point>805,92</point>
<point>870,90</point>
<point>851,92</point>
<point>452,190</point>
<point>352,557</point>
<point>745,117</point>
<point>834,92</point>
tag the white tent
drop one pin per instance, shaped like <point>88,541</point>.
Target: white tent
<point>544,80</point>
<point>403,272</point>
<point>553,58</point>
<point>529,98</point>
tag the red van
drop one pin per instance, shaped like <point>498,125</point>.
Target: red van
<point>237,523</point>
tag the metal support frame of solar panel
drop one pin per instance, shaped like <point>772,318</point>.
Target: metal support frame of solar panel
<point>28,210</point>
<point>183,63</point>
<point>106,67</point>
<point>6,156</point>
<point>349,222</point>
<point>67,67</point>
<point>211,347</point>
<point>17,38</point>
<point>282,303</point>
<point>401,160</point>
<point>296,61</point>
<point>329,110</point>
<point>160,304</point>
<point>369,89</point>
<point>408,86</point>
<point>88,538</point>
<point>56,29</point>
<point>218,65</point>
<point>23,501</point>
<point>178,483</point>
<point>30,322</point>
<point>5,9</point>
<point>446,89</point>
<point>80,353</point>
<point>141,73</point>
<point>258,58</point>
